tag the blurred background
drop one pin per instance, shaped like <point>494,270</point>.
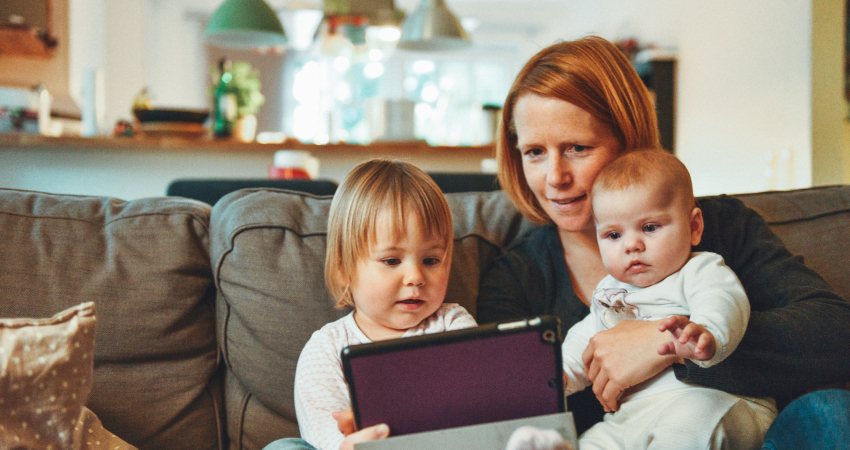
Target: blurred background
<point>757,96</point>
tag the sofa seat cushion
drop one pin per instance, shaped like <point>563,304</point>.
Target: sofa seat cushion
<point>145,265</point>
<point>268,252</point>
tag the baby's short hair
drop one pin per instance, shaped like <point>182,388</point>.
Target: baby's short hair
<point>372,187</point>
<point>651,167</point>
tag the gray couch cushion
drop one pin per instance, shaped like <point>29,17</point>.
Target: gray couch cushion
<point>813,223</point>
<point>268,251</point>
<point>145,264</point>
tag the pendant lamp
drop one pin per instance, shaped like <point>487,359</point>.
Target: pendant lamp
<point>244,24</point>
<point>432,27</point>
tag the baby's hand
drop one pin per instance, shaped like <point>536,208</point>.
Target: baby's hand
<point>692,341</point>
<point>527,437</point>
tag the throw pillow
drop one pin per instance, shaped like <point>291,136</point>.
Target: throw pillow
<point>89,434</point>
<point>45,377</point>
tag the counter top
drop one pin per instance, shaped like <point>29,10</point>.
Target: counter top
<point>34,141</point>
<point>142,167</point>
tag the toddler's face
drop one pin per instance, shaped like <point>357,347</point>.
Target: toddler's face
<point>642,240</point>
<point>401,281</point>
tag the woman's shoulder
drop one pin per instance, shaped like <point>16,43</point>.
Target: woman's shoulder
<point>728,222</point>
<point>722,206</point>
<point>534,240</point>
<point>533,249</point>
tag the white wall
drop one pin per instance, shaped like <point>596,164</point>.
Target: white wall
<point>744,82</point>
<point>744,93</point>
<point>86,41</point>
<point>135,44</point>
<point>759,104</point>
<point>175,49</point>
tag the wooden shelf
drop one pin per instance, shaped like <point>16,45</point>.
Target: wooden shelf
<point>33,141</point>
<point>143,167</point>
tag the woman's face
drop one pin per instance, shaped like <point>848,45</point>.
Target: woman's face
<point>562,149</point>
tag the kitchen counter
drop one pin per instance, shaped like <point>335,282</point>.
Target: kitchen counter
<point>16,140</point>
<point>142,167</point>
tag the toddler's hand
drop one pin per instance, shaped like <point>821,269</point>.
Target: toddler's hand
<point>345,422</point>
<point>693,341</point>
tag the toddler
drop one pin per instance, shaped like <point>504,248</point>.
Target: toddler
<point>389,250</point>
<point>646,221</point>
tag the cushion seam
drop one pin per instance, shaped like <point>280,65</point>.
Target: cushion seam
<point>806,217</point>
<point>195,217</point>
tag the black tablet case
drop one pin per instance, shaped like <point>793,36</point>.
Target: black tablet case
<point>465,377</point>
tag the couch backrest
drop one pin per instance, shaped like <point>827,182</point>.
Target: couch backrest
<point>145,264</point>
<point>813,223</point>
<point>268,251</point>
<point>149,266</point>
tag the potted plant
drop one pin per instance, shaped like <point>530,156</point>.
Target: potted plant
<point>244,83</point>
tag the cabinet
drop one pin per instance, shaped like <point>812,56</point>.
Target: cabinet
<point>26,28</point>
<point>662,81</point>
<point>657,70</point>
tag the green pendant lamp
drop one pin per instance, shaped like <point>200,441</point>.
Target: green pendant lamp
<point>432,26</point>
<point>244,24</point>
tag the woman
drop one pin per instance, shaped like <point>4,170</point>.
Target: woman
<point>572,109</point>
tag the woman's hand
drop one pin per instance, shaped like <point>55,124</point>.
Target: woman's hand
<point>624,356</point>
<point>345,422</point>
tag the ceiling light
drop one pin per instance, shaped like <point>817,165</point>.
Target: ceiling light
<point>244,24</point>
<point>432,27</point>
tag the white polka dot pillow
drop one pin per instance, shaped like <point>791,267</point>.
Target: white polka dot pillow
<point>45,378</point>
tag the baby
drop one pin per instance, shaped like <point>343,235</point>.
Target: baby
<point>646,221</point>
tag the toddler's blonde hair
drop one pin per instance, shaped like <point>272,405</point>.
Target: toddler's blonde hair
<point>371,188</point>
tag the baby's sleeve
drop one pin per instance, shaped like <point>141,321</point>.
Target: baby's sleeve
<point>571,350</point>
<point>716,300</point>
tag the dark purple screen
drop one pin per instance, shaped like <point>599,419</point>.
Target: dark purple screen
<point>455,384</point>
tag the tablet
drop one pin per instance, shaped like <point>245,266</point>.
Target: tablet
<point>495,372</point>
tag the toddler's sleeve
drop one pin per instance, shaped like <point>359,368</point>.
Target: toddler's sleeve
<point>457,317</point>
<point>320,390</point>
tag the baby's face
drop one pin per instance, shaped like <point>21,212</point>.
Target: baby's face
<point>402,280</point>
<point>643,238</point>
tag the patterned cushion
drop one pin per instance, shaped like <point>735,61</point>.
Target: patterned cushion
<point>46,377</point>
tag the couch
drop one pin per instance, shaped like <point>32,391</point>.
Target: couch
<point>202,311</point>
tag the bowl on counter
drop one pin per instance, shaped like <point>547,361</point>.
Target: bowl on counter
<point>172,115</point>
<point>172,122</point>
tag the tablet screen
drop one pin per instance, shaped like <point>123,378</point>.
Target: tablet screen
<point>478,375</point>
